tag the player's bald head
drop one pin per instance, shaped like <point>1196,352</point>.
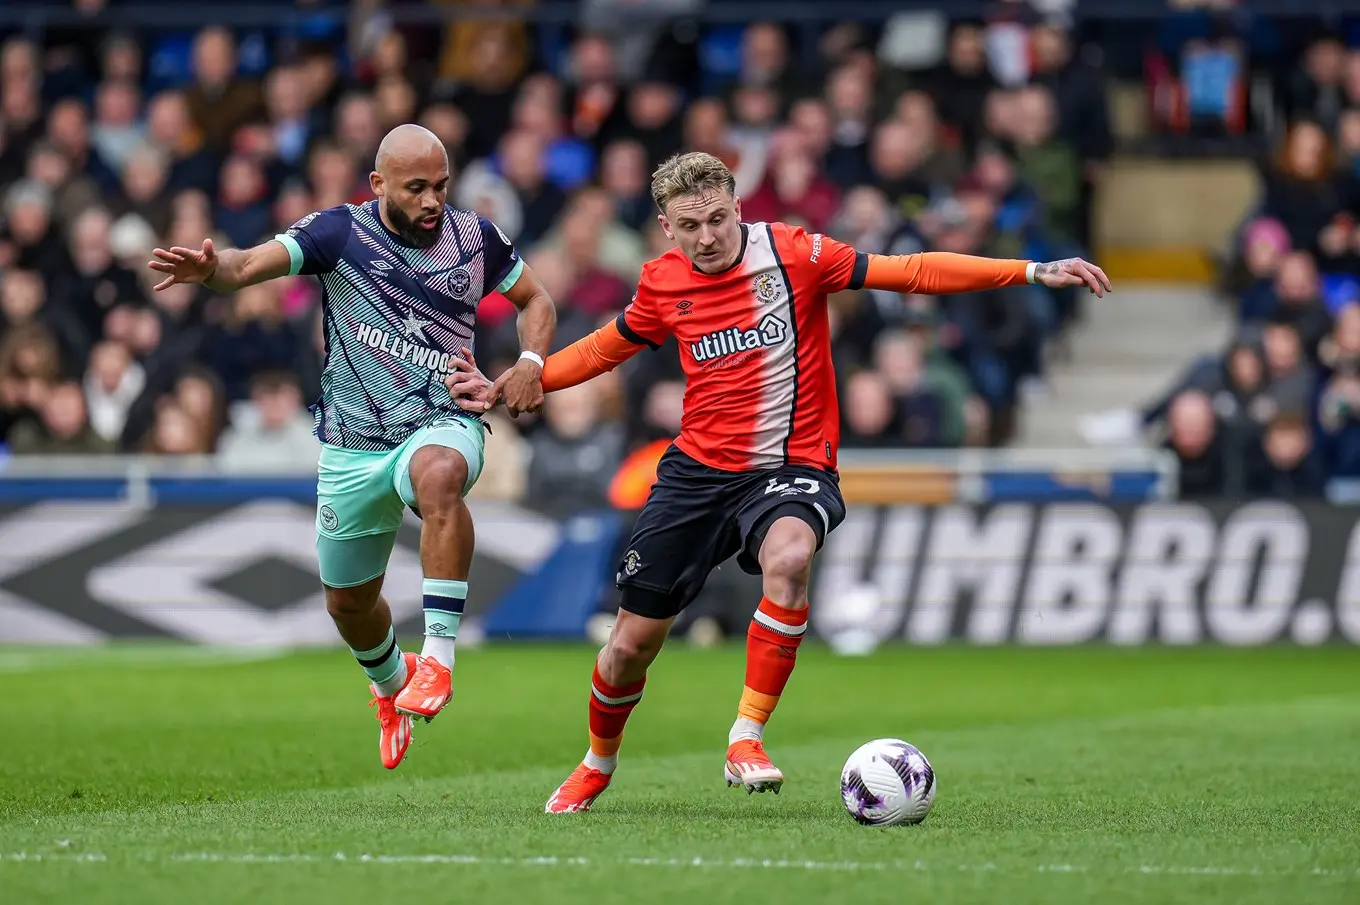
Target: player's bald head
<point>410,146</point>
<point>411,179</point>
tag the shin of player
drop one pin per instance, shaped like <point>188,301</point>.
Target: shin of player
<point>772,641</point>
<point>439,475</point>
<point>616,687</point>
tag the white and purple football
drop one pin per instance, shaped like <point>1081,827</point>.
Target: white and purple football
<point>888,782</point>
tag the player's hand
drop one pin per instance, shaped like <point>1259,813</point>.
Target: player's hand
<point>1073,272</point>
<point>469,387</point>
<point>184,265</point>
<point>521,388</point>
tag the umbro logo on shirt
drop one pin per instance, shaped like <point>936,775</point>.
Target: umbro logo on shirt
<point>684,307</point>
<point>380,265</point>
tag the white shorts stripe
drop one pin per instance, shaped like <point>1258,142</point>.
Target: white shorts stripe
<point>774,625</point>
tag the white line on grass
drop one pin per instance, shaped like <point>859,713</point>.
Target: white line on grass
<point>695,863</point>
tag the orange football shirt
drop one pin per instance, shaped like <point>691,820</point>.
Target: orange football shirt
<point>755,345</point>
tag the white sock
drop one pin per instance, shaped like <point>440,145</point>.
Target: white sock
<point>439,648</point>
<point>605,765</point>
<point>389,687</point>
<point>744,728</point>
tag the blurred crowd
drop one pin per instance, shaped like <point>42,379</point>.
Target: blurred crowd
<point>1277,413</point>
<point>982,137</point>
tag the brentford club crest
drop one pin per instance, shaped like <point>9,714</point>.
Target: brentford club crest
<point>766,287</point>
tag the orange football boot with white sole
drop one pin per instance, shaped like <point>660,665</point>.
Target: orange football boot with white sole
<point>427,690</point>
<point>395,735</point>
<point>579,792</point>
<point>749,766</point>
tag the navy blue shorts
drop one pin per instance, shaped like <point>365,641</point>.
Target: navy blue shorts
<point>697,517</point>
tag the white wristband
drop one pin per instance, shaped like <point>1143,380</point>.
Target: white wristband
<point>532,356</point>
<point>1029,271</point>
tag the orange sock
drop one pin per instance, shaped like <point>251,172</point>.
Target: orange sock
<point>771,650</point>
<point>610,706</point>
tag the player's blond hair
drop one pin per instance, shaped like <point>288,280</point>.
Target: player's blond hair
<point>690,174</point>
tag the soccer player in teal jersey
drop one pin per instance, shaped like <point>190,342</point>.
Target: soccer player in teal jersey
<point>401,277</point>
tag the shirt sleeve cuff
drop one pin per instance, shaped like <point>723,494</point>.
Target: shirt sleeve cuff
<point>1029,271</point>
<point>511,278</point>
<point>294,253</point>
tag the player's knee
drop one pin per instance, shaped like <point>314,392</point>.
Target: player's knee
<point>787,551</point>
<point>635,649</point>
<point>438,476</point>
<point>344,603</point>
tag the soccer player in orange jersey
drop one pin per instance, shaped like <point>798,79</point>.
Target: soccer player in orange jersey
<point>753,472</point>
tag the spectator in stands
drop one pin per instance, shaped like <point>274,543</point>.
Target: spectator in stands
<point>521,163</point>
<point>28,239</point>
<point>71,193</point>
<point>623,174</point>
<point>219,101</point>
<point>1205,459</point>
<point>606,255</point>
<point>30,364</point>
<point>575,455</point>
<point>252,336</point>
<point>395,101</point>
<point>333,176</point>
<point>961,86</point>
<point>706,128</point>
<point>1288,468</point>
<point>286,102</point>
<point>1298,298</point>
<point>793,190</point>
<point>871,415</point>
<point>651,114</point>
<point>23,302</point>
<point>1315,90</point>
<point>896,157</point>
<point>486,94</point>
<point>1048,164</point>
<point>242,210</point>
<point>171,130</point>
<point>567,160</point>
<point>1299,191</point>
<point>1265,243</point>
<point>272,430</point>
<point>595,90</point>
<point>143,187</point>
<point>68,129</point>
<point>117,129</point>
<point>113,383</point>
<point>849,100</point>
<point>61,428</point>
<point>919,408</point>
<point>175,433</point>
<point>451,125</point>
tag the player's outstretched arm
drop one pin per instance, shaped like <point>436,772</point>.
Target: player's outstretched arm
<point>587,358</point>
<point>941,273</point>
<point>224,271</point>
<point>521,387</point>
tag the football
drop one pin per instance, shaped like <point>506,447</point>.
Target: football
<point>887,782</point>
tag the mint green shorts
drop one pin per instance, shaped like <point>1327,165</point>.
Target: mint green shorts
<point>361,498</point>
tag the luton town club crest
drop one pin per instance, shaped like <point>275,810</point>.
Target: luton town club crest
<point>766,287</point>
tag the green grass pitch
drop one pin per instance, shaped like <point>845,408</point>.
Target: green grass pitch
<point>163,775</point>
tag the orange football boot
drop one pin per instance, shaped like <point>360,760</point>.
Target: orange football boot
<point>427,690</point>
<point>395,735</point>
<point>579,792</point>
<point>749,766</point>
